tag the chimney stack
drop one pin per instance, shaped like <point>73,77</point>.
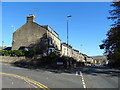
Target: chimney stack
<point>30,18</point>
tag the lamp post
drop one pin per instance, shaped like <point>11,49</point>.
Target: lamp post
<point>68,37</point>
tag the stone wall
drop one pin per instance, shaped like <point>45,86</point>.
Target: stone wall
<point>27,35</point>
<point>9,59</point>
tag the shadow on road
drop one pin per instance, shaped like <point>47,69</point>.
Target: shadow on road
<point>90,70</point>
<point>101,70</point>
<point>45,68</point>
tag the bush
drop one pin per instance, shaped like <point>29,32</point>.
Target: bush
<point>19,53</point>
<point>30,53</point>
<point>0,52</point>
<point>12,52</point>
<point>5,52</point>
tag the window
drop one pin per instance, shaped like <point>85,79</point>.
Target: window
<point>50,41</point>
<point>51,50</point>
<point>64,50</point>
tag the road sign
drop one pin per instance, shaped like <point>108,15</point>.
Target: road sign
<point>59,63</point>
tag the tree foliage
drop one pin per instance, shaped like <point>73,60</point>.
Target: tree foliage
<point>112,43</point>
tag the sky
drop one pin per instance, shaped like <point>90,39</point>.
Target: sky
<point>87,26</point>
<point>58,0</point>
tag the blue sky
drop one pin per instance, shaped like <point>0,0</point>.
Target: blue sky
<point>87,26</point>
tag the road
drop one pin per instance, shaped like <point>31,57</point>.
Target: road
<point>87,77</point>
<point>101,77</point>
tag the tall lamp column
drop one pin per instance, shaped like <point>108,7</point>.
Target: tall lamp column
<point>68,63</point>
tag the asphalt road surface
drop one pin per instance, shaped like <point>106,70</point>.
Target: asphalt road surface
<point>102,77</point>
<point>87,77</point>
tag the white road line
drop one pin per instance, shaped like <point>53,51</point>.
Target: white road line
<point>76,73</point>
<point>83,81</point>
<point>49,72</point>
<point>12,83</point>
<point>84,86</point>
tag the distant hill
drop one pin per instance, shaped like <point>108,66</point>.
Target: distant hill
<point>100,57</point>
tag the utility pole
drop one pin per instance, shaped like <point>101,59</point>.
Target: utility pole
<point>68,63</point>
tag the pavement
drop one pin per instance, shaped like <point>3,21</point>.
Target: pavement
<point>80,78</point>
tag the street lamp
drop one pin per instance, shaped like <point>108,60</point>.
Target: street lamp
<point>67,31</point>
<point>68,37</point>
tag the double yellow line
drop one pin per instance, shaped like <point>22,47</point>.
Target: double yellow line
<point>27,79</point>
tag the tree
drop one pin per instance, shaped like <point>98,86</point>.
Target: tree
<point>112,43</point>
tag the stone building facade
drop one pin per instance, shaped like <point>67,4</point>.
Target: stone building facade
<point>44,39</point>
<point>71,52</point>
<point>66,50</point>
<point>90,59</point>
<point>81,57</point>
<point>75,54</point>
<point>32,34</point>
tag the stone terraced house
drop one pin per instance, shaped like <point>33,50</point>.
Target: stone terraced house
<point>71,52</point>
<point>31,34</point>
<point>44,38</point>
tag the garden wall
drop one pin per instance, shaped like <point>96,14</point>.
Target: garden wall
<point>9,59</point>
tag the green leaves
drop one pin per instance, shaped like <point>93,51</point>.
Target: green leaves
<point>112,43</point>
<point>13,52</point>
<point>115,14</point>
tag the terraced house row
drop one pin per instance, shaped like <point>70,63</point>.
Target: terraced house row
<point>45,39</point>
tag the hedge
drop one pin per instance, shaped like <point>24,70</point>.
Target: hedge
<point>12,52</point>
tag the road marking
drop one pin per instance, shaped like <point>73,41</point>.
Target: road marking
<point>83,81</point>
<point>30,84</point>
<point>27,79</point>
<point>76,73</point>
<point>50,72</point>
<point>12,83</point>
